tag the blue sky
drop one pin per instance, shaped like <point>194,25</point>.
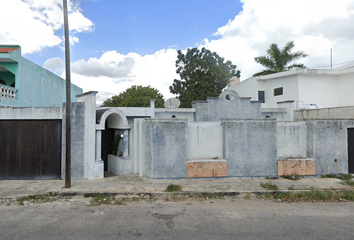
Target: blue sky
<point>119,43</point>
<point>145,27</point>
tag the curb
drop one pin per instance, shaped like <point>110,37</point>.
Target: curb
<point>87,194</point>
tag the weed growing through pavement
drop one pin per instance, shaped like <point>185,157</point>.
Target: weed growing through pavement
<point>341,176</point>
<point>313,195</point>
<point>348,182</point>
<point>248,196</point>
<point>213,195</point>
<point>293,177</point>
<point>269,186</point>
<point>173,188</point>
<point>347,179</point>
<point>268,177</point>
<point>291,187</point>
<point>39,198</point>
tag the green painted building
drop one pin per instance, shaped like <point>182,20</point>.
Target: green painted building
<point>25,84</point>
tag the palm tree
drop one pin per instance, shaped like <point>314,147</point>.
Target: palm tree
<point>278,60</point>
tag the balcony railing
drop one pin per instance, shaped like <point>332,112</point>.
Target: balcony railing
<point>7,92</point>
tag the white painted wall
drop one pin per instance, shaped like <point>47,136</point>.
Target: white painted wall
<point>251,86</point>
<point>318,89</point>
<point>326,88</point>
<point>290,90</point>
<point>345,87</point>
<point>247,88</point>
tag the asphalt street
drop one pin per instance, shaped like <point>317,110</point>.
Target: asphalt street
<point>191,219</point>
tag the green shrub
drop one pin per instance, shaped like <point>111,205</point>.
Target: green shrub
<point>341,176</point>
<point>269,186</point>
<point>173,188</point>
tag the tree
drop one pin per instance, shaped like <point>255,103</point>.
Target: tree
<point>278,60</point>
<point>203,74</point>
<point>136,96</point>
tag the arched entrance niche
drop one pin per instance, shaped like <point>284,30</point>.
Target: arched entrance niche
<point>111,122</point>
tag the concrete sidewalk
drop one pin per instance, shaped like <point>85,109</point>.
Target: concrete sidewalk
<point>132,184</point>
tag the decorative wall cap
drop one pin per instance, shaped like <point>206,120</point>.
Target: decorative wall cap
<point>201,101</point>
<point>206,160</point>
<point>179,110</point>
<point>166,119</point>
<point>247,119</point>
<point>272,110</point>
<point>86,93</point>
<point>288,101</point>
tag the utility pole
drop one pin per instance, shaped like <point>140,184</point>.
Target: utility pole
<point>68,99</point>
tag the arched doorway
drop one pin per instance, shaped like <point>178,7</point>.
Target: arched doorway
<point>112,122</point>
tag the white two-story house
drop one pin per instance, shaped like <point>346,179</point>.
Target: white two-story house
<point>308,88</point>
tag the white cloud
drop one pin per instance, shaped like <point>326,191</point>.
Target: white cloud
<point>315,26</point>
<point>113,72</point>
<point>39,19</point>
<point>79,22</point>
<point>56,65</point>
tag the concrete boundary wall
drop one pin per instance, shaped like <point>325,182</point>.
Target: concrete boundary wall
<point>328,145</point>
<point>165,148</point>
<point>250,147</point>
<point>204,140</point>
<point>77,141</point>
<point>30,113</point>
<point>325,113</point>
<point>227,105</point>
<point>292,139</point>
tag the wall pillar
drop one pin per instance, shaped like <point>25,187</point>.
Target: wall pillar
<point>98,145</point>
<point>152,107</point>
<point>289,105</point>
<point>125,143</point>
<point>93,169</point>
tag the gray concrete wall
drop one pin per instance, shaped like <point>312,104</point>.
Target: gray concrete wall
<point>29,113</point>
<point>277,113</point>
<point>204,140</point>
<point>324,113</point>
<point>186,113</point>
<point>94,168</point>
<point>77,141</point>
<point>330,142</point>
<point>227,105</point>
<point>292,139</point>
<point>250,147</point>
<point>165,148</point>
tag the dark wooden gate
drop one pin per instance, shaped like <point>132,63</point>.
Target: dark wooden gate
<point>351,150</point>
<point>107,137</point>
<point>30,149</point>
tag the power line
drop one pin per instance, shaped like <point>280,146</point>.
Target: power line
<point>325,66</point>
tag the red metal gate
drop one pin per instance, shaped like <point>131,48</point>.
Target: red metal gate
<point>30,149</point>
